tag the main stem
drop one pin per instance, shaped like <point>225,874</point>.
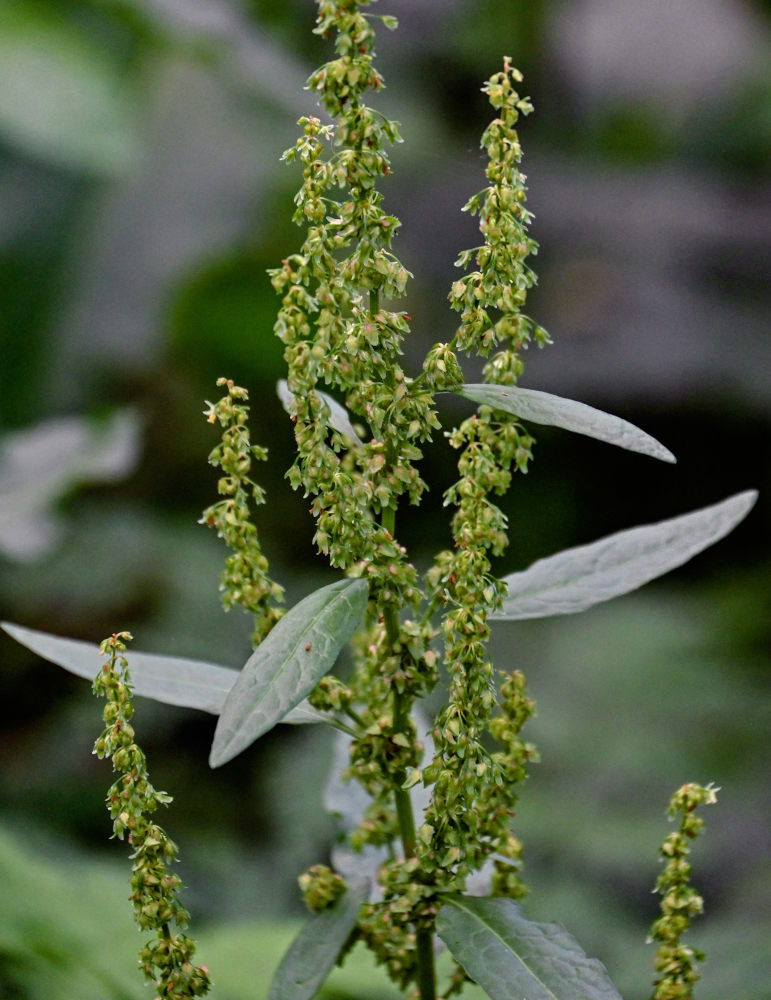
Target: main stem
<point>406,819</point>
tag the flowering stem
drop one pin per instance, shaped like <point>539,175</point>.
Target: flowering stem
<point>426,974</point>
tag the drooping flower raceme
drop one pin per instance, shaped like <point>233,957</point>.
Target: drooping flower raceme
<point>167,960</point>
<point>245,580</point>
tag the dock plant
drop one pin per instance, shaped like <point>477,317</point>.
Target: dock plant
<point>428,856</point>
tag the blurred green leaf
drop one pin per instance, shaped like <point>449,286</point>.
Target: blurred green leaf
<point>222,317</point>
<point>61,97</point>
<point>40,463</point>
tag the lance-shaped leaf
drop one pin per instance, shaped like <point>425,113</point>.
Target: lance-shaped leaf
<point>512,957</point>
<point>338,415</point>
<point>287,665</point>
<point>313,953</point>
<point>173,680</point>
<point>575,579</point>
<point>555,411</point>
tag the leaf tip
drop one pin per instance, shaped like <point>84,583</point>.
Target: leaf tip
<point>745,501</point>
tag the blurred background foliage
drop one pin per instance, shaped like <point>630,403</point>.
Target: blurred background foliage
<point>141,199</point>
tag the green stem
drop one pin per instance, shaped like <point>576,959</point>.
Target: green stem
<point>426,979</point>
<point>353,714</point>
<point>426,973</point>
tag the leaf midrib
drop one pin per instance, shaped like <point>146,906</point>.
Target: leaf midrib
<point>458,903</point>
<point>325,609</point>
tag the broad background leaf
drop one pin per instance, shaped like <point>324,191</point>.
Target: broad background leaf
<point>556,411</point>
<point>338,415</point>
<point>62,96</point>
<point>173,680</point>
<point>313,953</point>
<point>287,665</point>
<point>41,463</point>
<point>512,957</point>
<point>575,579</point>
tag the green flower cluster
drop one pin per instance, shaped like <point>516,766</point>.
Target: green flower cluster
<point>166,960</point>
<point>337,333</point>
<point>490,298</point>
<point>676,963</point>
<point>475,789</point>
<point>321,887</point>
<point>245,579</point>
<point>335,329</point>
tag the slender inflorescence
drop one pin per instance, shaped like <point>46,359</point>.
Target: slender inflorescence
<point>245,580</point>
<point>338,334</point>
<point>474,789</point>
<point>676,963</point>
<point>131,801</point>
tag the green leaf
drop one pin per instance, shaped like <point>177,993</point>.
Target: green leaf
<point>304,714</point>
<point>554,411</point>
<point>313,953</point>
<point>171,679</point>
<point>287,665</point>
<point>338,415</point>
<point>576,579</point>
<point>512,957</point>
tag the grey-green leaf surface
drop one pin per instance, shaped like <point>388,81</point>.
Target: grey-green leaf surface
<point>513,958</point>
<point>555,411</point>
<point>576,579</point>
<point>304,714</point>
<point>338,415</point>
<point>40,463</point>
<point>313,953</point>
<point>287,665</point>
<point>173,680</point>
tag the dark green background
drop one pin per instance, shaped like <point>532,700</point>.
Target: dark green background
<point>142,199</point>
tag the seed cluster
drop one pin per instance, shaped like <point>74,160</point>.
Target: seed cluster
<point>167,959</point>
